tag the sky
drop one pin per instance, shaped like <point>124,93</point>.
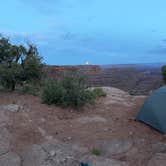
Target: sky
<point>72,32</point>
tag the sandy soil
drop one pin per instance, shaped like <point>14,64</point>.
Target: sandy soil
<point>111,118</point>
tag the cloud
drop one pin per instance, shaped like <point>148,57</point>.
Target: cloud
<point>164,40</point>
<point>41,5</point>
<point>69,36</point>
<point>55,6</point>
<point>23,37</point>
<point>160,49</point>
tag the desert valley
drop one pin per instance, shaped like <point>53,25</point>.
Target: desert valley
<point>103,134</point>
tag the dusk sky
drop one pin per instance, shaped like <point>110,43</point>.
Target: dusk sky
<point>98,31</point>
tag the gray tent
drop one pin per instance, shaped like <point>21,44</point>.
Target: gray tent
<point>153,111</point>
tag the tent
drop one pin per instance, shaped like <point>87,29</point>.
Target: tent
<point>153,111</point>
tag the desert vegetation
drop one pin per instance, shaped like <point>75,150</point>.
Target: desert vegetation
<point>163,70</point>
<point>96,152</point>
<point>19,64</point>
<point>71,90</point>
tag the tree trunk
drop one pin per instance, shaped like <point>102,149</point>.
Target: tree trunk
<point>13,85</point>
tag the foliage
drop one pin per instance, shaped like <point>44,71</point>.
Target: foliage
<point>32,65</point>
<point>99,92</point>
<point>96,152</point>
<point>70,91</point>
<point>163,70</point>
<point>18,63</point>
<point>53,93</point>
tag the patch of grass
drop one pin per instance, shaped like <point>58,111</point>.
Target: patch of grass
<point>96,152</point>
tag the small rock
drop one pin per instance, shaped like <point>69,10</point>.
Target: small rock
<point>69,138</point>
<point>106,129</point>
<point>49,137</point>
<point>130,133</point>
<point>12,107</point>
<point>42,131</point>
<point>52,153</point>
<point>43,120</point>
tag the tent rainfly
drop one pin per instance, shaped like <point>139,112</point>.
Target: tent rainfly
<point>153,112</point>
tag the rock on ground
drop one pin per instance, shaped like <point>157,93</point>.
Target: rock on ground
<point>116,146</point>
<point>12,107</point>
<point>85,120</point>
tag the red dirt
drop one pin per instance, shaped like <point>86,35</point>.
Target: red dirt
<point>43,121</point>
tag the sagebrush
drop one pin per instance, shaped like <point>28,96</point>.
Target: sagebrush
<point>69,91</point>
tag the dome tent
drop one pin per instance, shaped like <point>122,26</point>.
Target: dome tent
<point>153,111</point>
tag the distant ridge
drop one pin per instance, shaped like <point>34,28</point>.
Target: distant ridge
<point>139,65</point>
<point>137,79</point>
<point>136,65</point>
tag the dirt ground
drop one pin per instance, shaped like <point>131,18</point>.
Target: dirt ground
<point>111,119</point>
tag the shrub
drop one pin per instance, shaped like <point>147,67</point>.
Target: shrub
<point>70,91</point>
<point>99,92</point>
<point>53,93</point>
<point>163,70</point>
<point>96,152</point>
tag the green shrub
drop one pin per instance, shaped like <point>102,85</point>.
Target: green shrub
<point>99,92</point>
<point>163,70</point>
<point>70,91</point>
<point>96,152</point>
<point>53,93</point>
